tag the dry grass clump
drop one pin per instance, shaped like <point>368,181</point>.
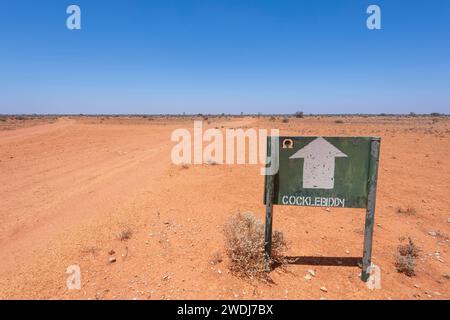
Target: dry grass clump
<point>244,242</point>
<point>93,250</point>
<point>216,258</point>
<point>409,211</point>
<point>124,234</point>
<point>211,162</point>
<point>405,260</point>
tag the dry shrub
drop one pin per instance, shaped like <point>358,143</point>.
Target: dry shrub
<point>244,241</point>
<point>405,260</point>
<point>211,162</point>
<point>124,234</point>
<point>93,250</point>
<point>285,120</point>
<point>185,166</point>
<point>409,211</point>
<point>216,258</point>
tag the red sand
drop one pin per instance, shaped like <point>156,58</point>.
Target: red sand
<point>68,187</point>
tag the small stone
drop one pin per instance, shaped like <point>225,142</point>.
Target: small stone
<point>324,289</point>
<point>432,233</point>
<point>323,298</point>
<point>308,277</point>
<point>448,220</point>
<point>417,285</point>
<point>312,272</point>
<point>112,259</point>
<point>327,209</point>
<point>347,252</point>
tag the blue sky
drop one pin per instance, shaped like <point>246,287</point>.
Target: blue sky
<point>232,56</point>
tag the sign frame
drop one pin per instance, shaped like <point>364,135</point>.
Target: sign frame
<point>372,180</point>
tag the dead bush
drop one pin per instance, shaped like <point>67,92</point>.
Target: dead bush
<point>125,233</point>
<point>211,162</point>
<point>405,264</point>
<point>184,166</point>
<point>216,258</point>
<point>409,211</point>
<point>244,242</point>
<point>405,259</point>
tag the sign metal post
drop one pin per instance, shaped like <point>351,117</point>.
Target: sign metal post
<point>269,206</point>
<point>370,211</point>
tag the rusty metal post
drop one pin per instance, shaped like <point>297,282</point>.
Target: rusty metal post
<point>370,211</point>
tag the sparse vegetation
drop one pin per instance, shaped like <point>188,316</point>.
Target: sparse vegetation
<point>299,114</point>
<point>339,121</point>
<point>405,259</point>
<point>93,250</point>
<point>285,120</point>
<point>212,162</point>
<point>124,234</point>
<point>216,259</point>
<point>409,211</point>
<point>244,241</point>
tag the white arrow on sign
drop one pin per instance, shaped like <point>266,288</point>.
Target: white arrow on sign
<point>318,166</point>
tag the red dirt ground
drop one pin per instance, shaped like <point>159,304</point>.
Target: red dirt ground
<point>69,186</point>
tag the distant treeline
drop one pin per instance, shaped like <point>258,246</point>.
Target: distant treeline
<point>284,115</point>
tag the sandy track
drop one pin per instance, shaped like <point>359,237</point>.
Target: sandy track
<point>69,187</point>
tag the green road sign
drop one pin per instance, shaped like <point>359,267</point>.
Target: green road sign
<point>322,172</point>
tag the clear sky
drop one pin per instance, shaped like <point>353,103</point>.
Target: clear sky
<point>232,56</point>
